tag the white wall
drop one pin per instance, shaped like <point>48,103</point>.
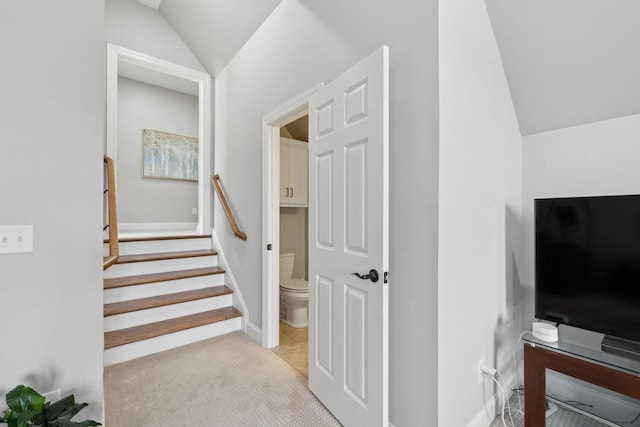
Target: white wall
<point>294,237</point>
<point>479,214</point>
<point>144,106</point>
<point>143,29</point>
<point>596,159</point>
<point>52,121</point>
<point>262,77</point>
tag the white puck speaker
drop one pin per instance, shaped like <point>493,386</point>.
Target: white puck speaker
<point>544,332</point>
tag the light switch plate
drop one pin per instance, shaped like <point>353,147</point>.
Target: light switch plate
<point>16,239</point>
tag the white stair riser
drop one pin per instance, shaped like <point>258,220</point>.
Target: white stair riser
<point>165,342</point>
<point>158,246</point>
<point>126,293</point>
<point>141,317</point>
<point>148,267</point>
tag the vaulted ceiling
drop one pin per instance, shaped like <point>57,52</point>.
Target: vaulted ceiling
<point>215,30</point>
<point>567,62</point>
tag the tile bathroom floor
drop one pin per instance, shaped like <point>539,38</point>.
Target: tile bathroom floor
<point>294,347</point>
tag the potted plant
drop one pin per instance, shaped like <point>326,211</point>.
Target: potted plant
<point>27,407</point>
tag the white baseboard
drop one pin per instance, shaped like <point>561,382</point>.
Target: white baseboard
<point>254,332</point>
<point>487,413</point>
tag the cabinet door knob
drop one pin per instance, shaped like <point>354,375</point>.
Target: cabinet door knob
<point>287,192</point>
<point>291,191</point>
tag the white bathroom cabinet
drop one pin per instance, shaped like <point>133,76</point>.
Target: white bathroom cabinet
<point>294,173</point>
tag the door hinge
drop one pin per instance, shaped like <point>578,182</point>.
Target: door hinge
<point>269,247</point>
<point>386,277</point>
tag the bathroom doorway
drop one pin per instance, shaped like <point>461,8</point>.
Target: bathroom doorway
<point>293,330</point>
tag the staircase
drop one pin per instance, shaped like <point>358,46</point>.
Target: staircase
<point>164,292</point>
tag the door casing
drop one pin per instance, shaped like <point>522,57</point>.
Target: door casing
<point>271,123</point>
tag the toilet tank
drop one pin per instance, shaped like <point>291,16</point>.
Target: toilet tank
<point>286,265</point>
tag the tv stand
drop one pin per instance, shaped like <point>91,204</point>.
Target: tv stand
<point>621,347</point>
<point>602,369</point>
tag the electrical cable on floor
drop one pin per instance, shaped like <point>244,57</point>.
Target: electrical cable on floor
<point>508,400</point>
<point>504,423</point>
<point>506,404</point>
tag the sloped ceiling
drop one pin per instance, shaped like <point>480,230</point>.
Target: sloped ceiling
<point>215,30</point>
<point>155,4</point>
<point>569,62</point>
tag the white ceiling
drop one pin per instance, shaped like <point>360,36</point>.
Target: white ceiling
<point>569,62</point>
<point>157,78</point>
<point>215,30</point>
<point>151,3</point>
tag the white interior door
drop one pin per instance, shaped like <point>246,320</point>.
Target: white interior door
<point>348,230</point>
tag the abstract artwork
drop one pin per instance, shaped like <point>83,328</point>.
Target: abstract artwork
<point>169,156</point>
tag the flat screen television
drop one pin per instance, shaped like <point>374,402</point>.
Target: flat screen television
<point>587,265</point>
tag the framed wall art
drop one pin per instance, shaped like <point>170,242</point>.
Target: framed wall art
<point>169,156</point>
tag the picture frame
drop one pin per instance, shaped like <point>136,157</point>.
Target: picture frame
<point>169,156</point>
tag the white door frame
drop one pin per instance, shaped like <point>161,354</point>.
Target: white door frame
<point>117,55</point>
<point>271,124</point>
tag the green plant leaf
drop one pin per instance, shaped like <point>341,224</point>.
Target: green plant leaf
<point>64,422</point>
<point>53,410</point>
<point>23,418</point>
<point>59,414</point>
<point>27,408</point>
<point>64,419</point>
<point>72,410</point>
<point>22,399</point>
<point>9,417</point>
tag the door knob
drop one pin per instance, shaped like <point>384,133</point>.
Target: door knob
<point>373,276</point>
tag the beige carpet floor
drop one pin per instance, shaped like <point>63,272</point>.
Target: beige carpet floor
<point>225,381</point>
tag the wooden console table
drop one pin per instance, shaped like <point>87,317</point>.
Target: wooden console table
<point>602,369</point>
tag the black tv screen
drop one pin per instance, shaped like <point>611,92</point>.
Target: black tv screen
<point>587,263</point>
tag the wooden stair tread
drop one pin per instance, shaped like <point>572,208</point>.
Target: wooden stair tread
<point>126,259</point>
<point>118,282</point>
<point>150,330</point>
<point>163,300</point>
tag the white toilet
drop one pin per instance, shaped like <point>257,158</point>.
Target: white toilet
<point>294,294</point>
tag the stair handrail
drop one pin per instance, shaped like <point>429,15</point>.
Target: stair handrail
<point>227,210</point>
<point>114,252</point>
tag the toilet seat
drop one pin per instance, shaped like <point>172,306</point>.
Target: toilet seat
<point>295,286</point>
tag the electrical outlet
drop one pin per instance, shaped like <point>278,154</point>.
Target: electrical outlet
<point>479,371</point>
<point>53,396</point>
<point>194,211</point>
